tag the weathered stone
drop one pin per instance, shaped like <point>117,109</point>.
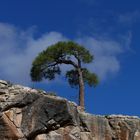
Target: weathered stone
<point>29,114</point>
<point>137,135</point>
<point>2,82</point>
<point>8,129</point>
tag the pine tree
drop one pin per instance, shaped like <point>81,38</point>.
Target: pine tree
<point>47,65</point>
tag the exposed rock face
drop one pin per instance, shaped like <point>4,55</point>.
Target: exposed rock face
<point>29,114</point>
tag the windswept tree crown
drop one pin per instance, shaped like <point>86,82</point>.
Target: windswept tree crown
<point>47,63</point>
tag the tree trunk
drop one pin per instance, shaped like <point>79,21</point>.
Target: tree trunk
<point>81,89</point>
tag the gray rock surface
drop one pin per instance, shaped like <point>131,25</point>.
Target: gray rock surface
<point>29,114</point>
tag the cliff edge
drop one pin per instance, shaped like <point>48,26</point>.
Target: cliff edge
<point>29,114</point>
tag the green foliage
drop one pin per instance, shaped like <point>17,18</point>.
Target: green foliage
<point>90,78</point>
<point>47,63</point>
<point>72,77</point>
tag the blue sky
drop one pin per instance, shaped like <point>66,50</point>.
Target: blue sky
<point>109,29</point>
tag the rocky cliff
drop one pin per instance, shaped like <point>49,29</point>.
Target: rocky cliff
<point>29,114</point>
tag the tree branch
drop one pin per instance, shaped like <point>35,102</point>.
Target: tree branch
<point>59,61</point>
<point>63,61</point>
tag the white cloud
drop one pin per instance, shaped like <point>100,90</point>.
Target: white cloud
<point>18,48</point>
